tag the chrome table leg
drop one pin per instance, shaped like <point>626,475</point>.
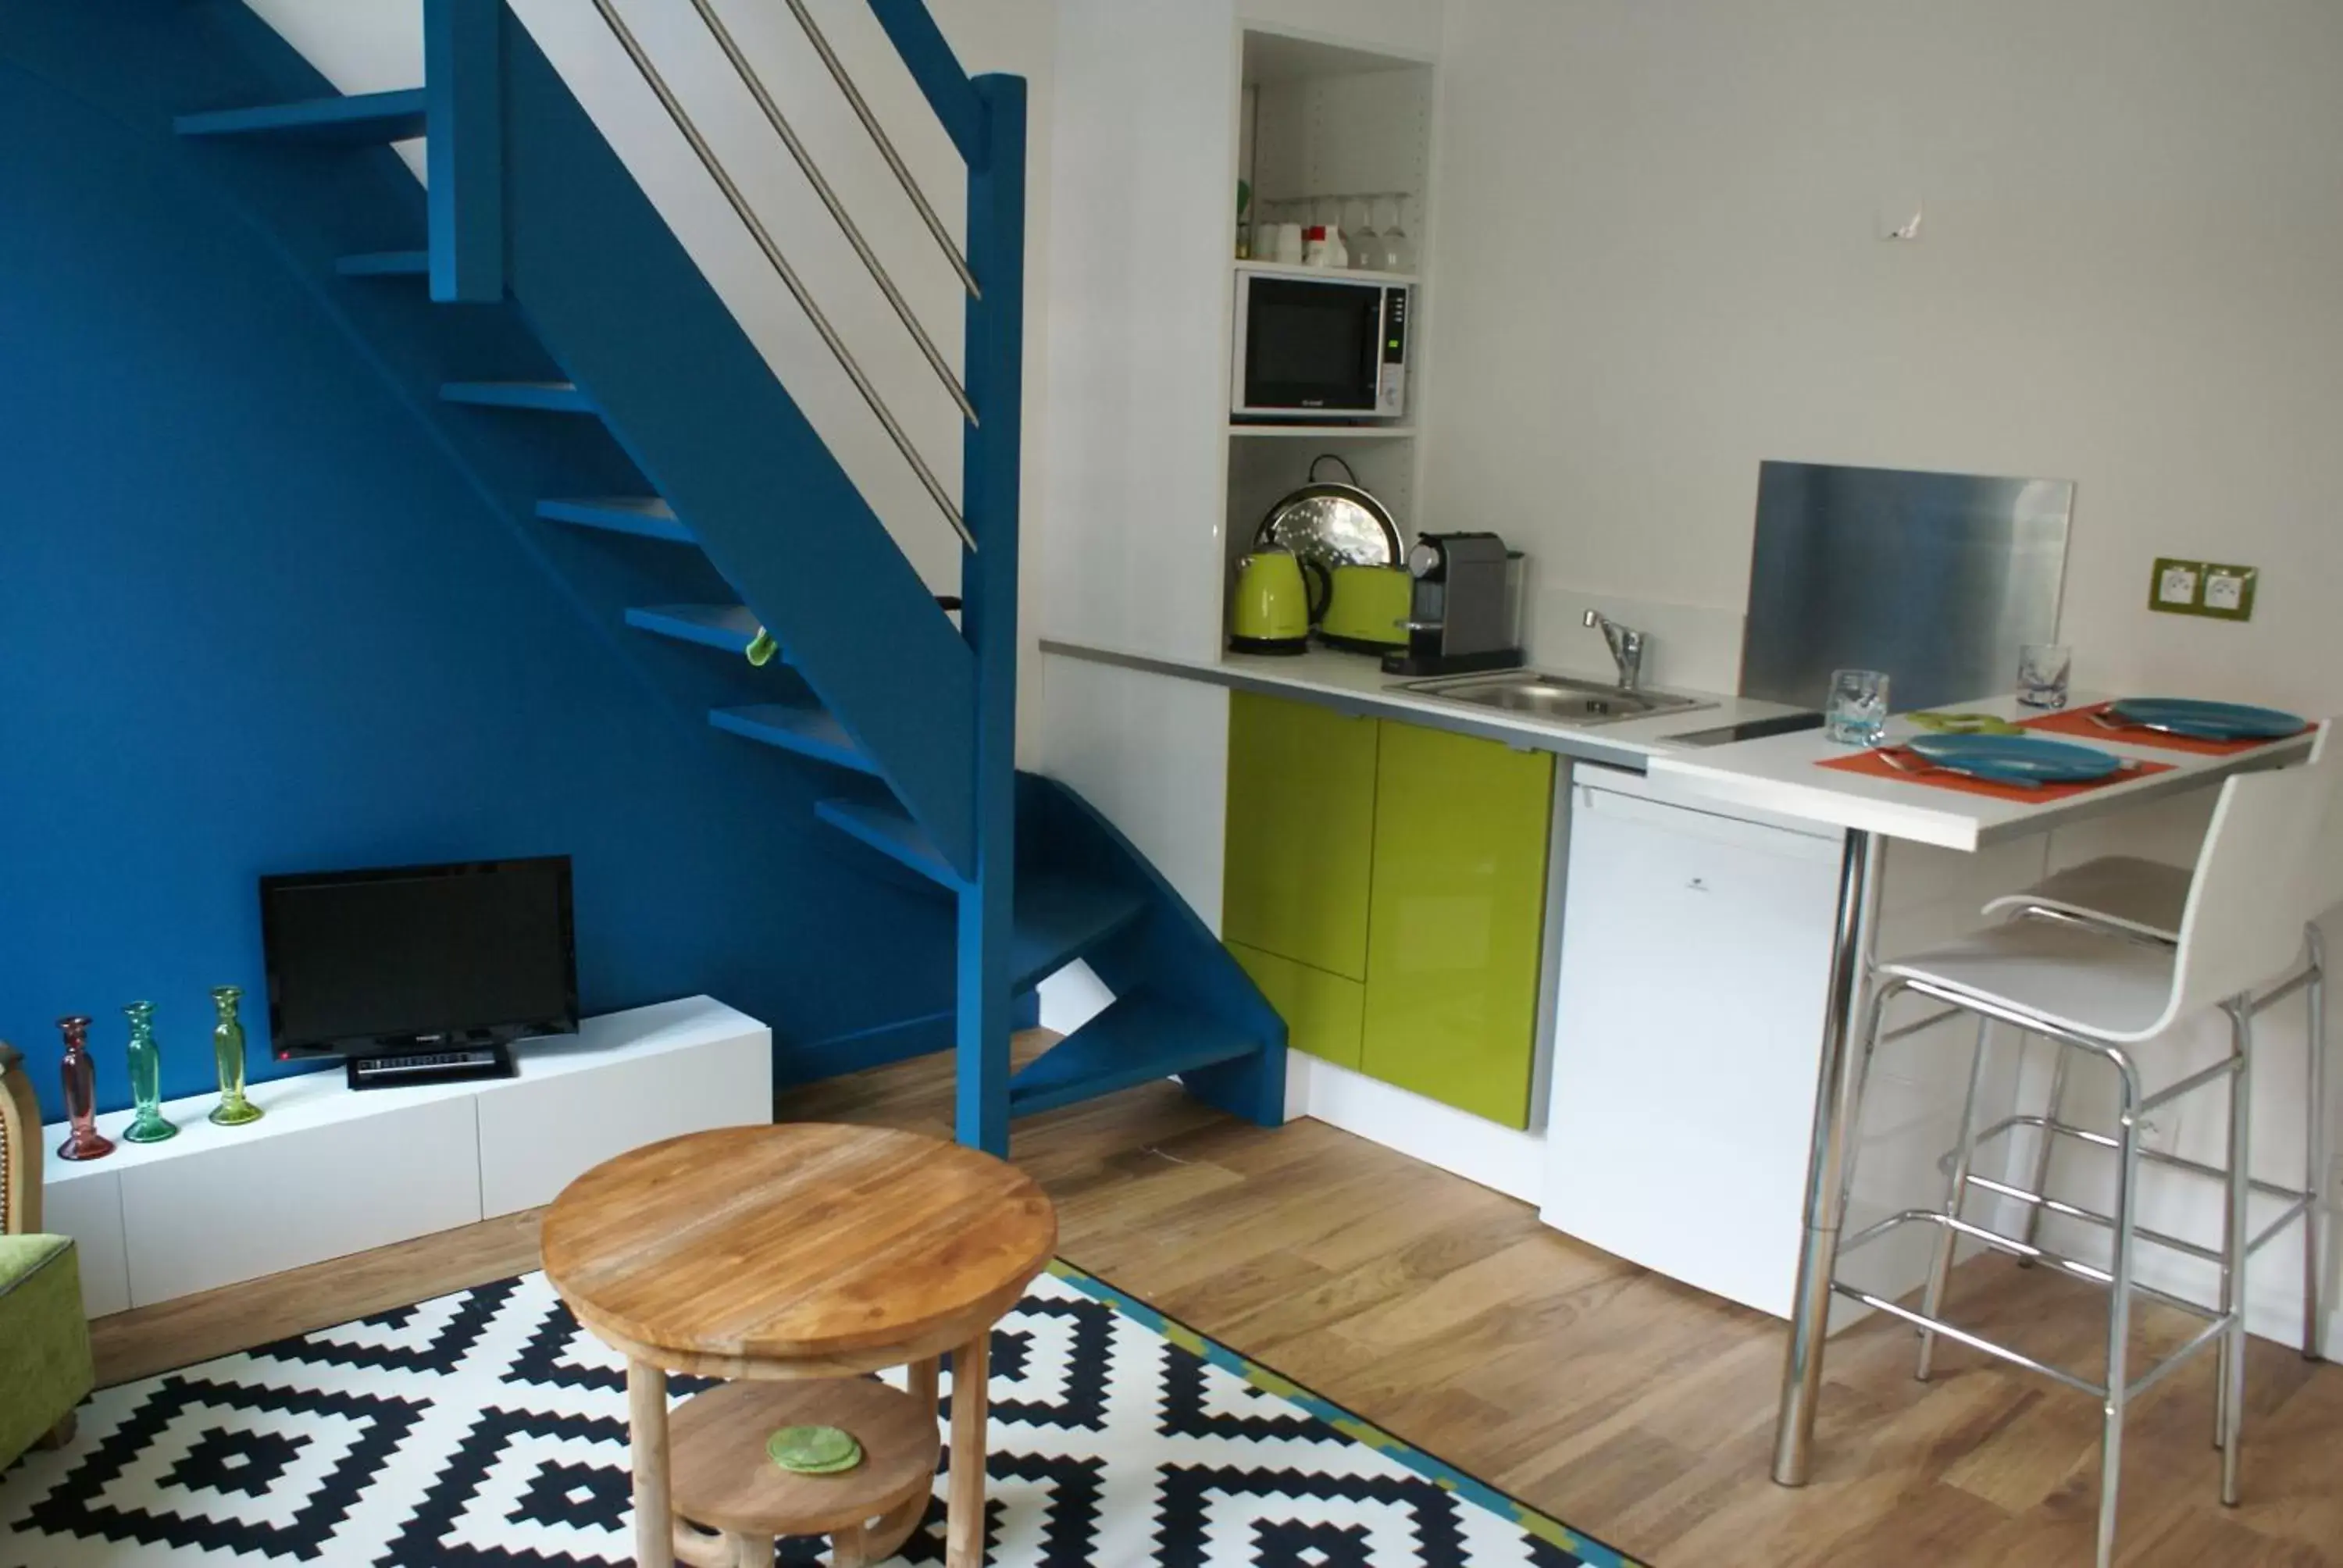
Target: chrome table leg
<point>2239,1234</point>
<point>2039,1186</point>
<point>1932,1302</point>
<point>2314,1217</point>
<point>2118,1387</point>
<point>1836,1091</point>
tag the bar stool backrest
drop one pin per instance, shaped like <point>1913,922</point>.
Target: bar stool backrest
<point>2257,881</point>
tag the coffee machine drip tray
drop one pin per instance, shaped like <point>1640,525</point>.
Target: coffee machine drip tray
<point>1406,661</point>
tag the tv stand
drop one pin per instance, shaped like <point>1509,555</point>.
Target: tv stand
<point>328,1173</point>
<point>402,1069</point>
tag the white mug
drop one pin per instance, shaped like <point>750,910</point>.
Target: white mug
<point>1287,246</point>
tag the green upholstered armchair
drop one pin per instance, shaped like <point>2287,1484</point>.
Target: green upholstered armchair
<point>45,1365</point>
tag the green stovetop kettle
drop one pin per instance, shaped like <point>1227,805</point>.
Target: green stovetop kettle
<point>1272,606</point>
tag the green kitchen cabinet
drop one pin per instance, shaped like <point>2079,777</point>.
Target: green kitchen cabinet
<point>1300,832</point>
<point>1323,1013</point>
<point>1457,916</point>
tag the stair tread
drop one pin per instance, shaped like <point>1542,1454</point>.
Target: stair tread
<point>559,397</point>
<point>807,730</point>
<point>731,626</point>
<point>889,829</point>
<point>384,264</point>
<point>1062,915</point>
<point>648,517</point>
<point>394,116</point>
<point>1138,1038</point>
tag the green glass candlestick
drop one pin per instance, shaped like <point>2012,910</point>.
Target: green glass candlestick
<point>227,1047</point>
<point>146,1077</point>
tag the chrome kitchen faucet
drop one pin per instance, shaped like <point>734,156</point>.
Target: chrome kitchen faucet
<point>1626,649</point>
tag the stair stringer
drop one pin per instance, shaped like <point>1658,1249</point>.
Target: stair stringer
<point>1170,951</point>
<point>697,406</point>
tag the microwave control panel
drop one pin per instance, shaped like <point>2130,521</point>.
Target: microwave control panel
<point>1390,389</point>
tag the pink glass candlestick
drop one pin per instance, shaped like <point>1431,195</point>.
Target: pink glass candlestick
<point>81,1094</point>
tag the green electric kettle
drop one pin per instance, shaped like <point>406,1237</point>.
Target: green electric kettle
<point>1272,607</point>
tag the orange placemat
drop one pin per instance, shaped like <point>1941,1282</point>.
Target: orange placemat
<point>2078,722</point>
<point>1874,765</point>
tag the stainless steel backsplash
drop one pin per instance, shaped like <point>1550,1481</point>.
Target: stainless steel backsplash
<point>1936,578</point>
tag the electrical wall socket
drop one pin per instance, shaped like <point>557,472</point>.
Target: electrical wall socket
<point>2174,585</point>
<point>2229,590</point>
<point>2202,588</point>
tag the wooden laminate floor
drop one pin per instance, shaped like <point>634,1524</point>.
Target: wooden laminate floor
<point>1630,1406</point>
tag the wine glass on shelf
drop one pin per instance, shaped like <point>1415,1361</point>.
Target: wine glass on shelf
<point>1397,250</point>
<point>1359,233</point>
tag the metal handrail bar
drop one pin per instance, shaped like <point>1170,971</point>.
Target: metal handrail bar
<point>821,186</point>
<point>741,207</point>
<point>838,74</point>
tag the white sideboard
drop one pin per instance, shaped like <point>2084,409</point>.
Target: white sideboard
<point>329,1172</point>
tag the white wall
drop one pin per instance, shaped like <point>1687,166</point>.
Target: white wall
<point>371,45</point>
<point>1657,254</point>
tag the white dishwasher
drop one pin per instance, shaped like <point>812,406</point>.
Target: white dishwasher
<point>1695,949</point>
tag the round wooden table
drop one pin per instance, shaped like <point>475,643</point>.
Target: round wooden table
<point>776,1255</point>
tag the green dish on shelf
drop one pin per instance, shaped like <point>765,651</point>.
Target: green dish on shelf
<point>813,1450</point>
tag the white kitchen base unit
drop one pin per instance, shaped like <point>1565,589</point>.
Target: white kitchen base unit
<point>1696,953</point>
<point>329,1172</point>
<point>1509,1160</point>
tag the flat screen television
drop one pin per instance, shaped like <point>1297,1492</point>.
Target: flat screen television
<point>416,973</point>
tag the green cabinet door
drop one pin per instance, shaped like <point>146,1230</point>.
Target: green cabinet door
<point>1458,912</point>
<point>1322,1012</point>
<point>1301,830</point>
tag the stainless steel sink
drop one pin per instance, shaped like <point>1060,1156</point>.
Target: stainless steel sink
<point>1558,698</point>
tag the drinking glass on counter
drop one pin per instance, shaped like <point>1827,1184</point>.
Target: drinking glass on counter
<point>2043,669</point>
<point>1857,714</point>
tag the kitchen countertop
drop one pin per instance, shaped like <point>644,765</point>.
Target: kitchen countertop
<point>1777,773</point>
<point>1356,683</point>
<point>1780,773</point>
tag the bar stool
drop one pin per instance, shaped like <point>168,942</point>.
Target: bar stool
<point>2147,900</point>
<point>2104,993</point>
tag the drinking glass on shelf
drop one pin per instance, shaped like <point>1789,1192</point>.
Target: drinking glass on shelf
<point>1857,714</point>
<point>2043,669</point>
<point>1359,233</point>
<point>1398,250</point>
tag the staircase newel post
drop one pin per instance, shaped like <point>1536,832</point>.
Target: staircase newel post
<point>464,151</point>
<point>990,460</point>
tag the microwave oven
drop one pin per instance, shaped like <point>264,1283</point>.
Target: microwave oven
<point>1320,346</point>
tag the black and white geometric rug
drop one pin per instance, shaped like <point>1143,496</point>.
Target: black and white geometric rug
<point>485,1430</point>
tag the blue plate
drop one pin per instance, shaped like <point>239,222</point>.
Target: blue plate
<point>2207,720</point>
<point>2015,759</point>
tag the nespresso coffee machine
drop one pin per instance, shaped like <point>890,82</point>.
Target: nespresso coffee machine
<point>1466,611</point>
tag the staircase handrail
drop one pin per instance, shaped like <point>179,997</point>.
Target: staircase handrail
<point>649,72</point>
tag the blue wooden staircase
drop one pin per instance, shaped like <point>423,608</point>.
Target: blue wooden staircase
<point>531,213</point>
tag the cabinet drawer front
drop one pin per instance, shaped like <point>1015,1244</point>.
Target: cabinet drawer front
<point>1302,804</point>
<point>1458,915</point>
<point>1323,1012</point>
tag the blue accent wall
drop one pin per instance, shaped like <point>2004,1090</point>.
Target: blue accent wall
<point>264,607</point>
